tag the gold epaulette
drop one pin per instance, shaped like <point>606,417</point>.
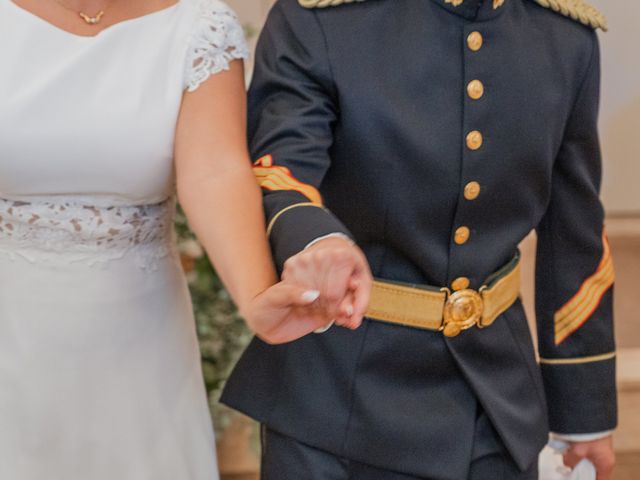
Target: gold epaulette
<point>578,10</point>
<point>324,3</point>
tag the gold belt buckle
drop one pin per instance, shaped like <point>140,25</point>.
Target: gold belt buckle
<point>462,310</point>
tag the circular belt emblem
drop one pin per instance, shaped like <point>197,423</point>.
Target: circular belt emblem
<point>463,310</point>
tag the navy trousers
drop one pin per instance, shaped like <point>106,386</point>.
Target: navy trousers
<point>284,458</point>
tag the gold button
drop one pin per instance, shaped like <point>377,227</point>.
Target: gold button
<point>474,41</point>
<point>471,190</point>
<point>462,235</point>
<point>475,89</point>
<point>461,283</point>
<point>474,140</point>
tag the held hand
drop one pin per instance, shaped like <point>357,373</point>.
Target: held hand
<point>284,313</point>
<point>599,452</point>
<point>340,272</point>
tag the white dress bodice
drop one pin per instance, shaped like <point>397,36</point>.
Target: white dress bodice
<point>95,117</point>
<point>87,125</point>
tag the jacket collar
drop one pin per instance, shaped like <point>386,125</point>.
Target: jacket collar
<point>474,10</point>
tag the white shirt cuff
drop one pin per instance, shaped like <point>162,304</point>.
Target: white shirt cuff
<point>324,237</point>
<point>325,328</point>
<point>581,437</point>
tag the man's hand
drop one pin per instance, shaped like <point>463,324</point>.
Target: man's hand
<point>339,271</point>
<point>599,452</point>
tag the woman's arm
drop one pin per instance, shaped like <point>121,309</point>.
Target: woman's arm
<point>221,198</point>
<point>216,186</point>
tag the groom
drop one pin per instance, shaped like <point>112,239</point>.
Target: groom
<point>432,136</point>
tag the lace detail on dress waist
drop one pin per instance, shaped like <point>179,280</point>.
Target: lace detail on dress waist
<point>64,231</point>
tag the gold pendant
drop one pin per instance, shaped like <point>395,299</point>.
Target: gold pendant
<point>91,20</point>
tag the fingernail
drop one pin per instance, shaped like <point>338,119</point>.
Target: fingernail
<point>349,310</point>
<point>311,295</point>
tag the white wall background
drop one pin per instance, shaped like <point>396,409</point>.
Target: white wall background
<point>251,10</point>
<point>620,108</point>
<point>252,13</point>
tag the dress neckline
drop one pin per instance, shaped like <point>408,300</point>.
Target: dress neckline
<point>38,18</point>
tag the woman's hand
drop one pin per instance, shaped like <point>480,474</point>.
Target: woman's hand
<point>284,313</point>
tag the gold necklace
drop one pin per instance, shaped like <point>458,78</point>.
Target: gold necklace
<point>88,19</point>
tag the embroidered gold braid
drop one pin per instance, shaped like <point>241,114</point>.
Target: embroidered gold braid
<point>578,10</point>
<point>581,306</point>
<point>272,177</point>
<point>578,360</point>
<point>287,209</point>
<point>496,3</point>
<point>325,3</point>
<point>335,3</point>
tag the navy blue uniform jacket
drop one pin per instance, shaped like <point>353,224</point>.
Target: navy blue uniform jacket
<point>364,120</point>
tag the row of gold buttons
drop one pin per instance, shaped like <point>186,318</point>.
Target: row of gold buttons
<point>474,140</point>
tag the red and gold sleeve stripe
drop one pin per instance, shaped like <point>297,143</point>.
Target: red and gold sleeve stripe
<point>581,306</point>
<point>272,177</point>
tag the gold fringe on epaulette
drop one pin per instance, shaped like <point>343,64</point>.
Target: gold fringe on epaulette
<point>578,10</point>
<point>324,3</point>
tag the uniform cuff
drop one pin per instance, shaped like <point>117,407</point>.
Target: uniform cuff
<point>292,230</point>
<point>581,396</point>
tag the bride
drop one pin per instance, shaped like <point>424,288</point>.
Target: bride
<point>106,106</point>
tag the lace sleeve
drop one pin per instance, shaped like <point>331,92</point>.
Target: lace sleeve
<point>216,41</point>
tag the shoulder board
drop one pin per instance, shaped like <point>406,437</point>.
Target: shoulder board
<point>578,10</point>
<point>325,3</point>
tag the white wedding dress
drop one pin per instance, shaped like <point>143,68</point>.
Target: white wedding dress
<point>100,373</point>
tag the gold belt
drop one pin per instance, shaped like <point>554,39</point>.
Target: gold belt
<point>441,309</point>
